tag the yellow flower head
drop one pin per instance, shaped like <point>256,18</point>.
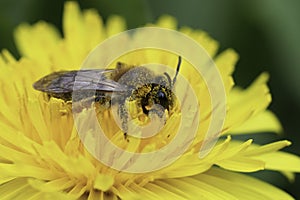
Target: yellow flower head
<point>44,156</point>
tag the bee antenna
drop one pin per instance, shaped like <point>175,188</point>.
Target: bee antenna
<point>169,78</point>
<point>177,70</point>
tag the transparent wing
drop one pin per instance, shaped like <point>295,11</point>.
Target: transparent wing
<point>64,81</point>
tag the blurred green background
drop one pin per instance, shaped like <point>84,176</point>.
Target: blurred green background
<point>265,33</point>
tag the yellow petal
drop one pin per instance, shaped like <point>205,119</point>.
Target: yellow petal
<point>263,122</point>
<point>210,45</point>
<point>167,21</point>
<point>6,57</point>
<point>52,186</point>
<point>242,164</point>
<point>289,175</point>
<point>226,63</point>
<point>245,104</point>
<point>280,161</point>
<point>45,41</point>
<point>273,159</point>
<point>103,182</point>
<point>72,22</point>
<point>12,189</point>
<point>93,24</point>
<point>211,185</point>
<point>114,25</point>
<point>20,189</point>
<point>198,189</point>
<point>74,34</point>
<point>242,186</point>
<point>257,150</point>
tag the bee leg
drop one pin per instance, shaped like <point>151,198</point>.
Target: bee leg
<point>123,114</point>
<point>159,111</point>
<point>144,103</point>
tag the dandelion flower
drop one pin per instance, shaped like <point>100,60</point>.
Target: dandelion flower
<point>42,157</point>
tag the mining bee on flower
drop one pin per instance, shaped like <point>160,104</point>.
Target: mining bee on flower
<point>130,83</point>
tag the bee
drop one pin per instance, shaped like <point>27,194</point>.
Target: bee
<point>130,83</point>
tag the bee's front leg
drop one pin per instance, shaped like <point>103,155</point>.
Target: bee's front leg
<point>159,111</point>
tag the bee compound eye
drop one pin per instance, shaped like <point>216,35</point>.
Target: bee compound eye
<point>161,95</point>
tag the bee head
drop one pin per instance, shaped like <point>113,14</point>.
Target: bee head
<point>161,93</point>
